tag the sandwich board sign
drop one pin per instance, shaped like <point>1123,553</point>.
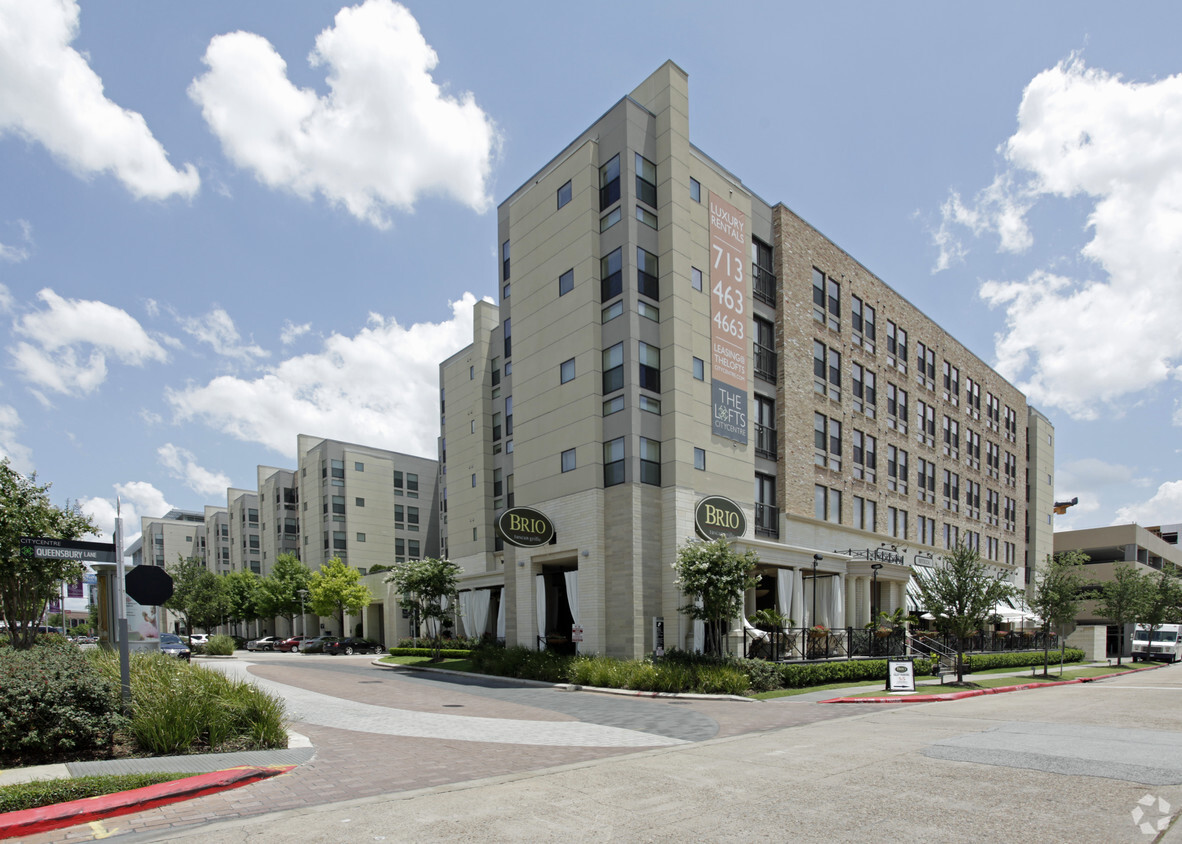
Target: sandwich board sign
<point>900,675</point>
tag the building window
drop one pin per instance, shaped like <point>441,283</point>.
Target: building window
<point>566,282</point>
<point>951,491</point>
<point>650,462</point>
<point>359,502</point>
<point>497,430</point>
<point>925,418</point>
<point>972,499</point>
<point>647,217</point>
<point>972,447</point>
<point>700,459</point>
<point>611,275</point>
<point>925,361</point>
<point>927,530</point>
<point>568,460</point>
<point>862,323</point>
<point>338,540</point>
<point>763,279</point>
<point>649,404</point>
<point>826,442</point>
<point>925,481</point>
<point>696,278</point>
<point>609,182</point>
<point>951,536</point>
<point>826,300</point>
<point>508,429</point>
<point>647,275</point>
<point>613,368</point>
<point>826,371</point>
<point>896,347</point>
<point>865,456</point>
<point>648,311</point>
<point>896,470</point>
<point>765,427</point>
<point>361,537</point>
<point>567,371</point>
<point>412,547</point>
<point>613,405</point>
<point>951,384</point>
<point>613,462</point>
<point>695,190</point>
<point>399,515</point>
<point>864,388</point>
<point>613,310</point>
<point>865,512</point>
<point>650,367</point>
<point>896,408</point>
<point>564,194</point>
<point>699,369</point>
<point>972,398</point>
<point>505,261</point>
<point>610,219</point>
<point>951,438</point>
<point>896,523</point>
<point>827,504</point>
<point>338,468</point>
<point>473,481</point>
<point>646,181</point>
<point>765,349</point>
<point>507,333</point>
<point>767,514</point>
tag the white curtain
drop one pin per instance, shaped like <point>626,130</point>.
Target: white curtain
<point>798,599</point>
<point>478,600</point>
<point>501,616</point>
<point>433,623</point>
<point>836,601</point>
<point>784,592</point>
<point>465,613</point>
<point>540,590</point>
<point>572,597</point>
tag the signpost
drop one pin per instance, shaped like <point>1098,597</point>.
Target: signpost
<point>900,675</point>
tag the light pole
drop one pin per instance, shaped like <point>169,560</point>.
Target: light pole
<point>874,592</point>
<point>303,593</point>
<point>816,559</point>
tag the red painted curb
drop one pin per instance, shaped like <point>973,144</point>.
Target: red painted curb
<point>979,692</point>
<point>59,815</point>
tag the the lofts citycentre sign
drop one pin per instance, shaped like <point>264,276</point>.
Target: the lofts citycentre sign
<point>716,517</point>
<point>525,527</point>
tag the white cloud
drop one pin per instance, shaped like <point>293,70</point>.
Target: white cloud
<point>385,135</point>
<point>151,417</point>
<point>1164,507</point>
<point>16,254</point>
<point>20,456</point>
<point>217,329</point>
<point>136,499</point>
<point>1081,343</point>
<point>292,332</point>
<point>371,388</point>
<point>5,299</point>
<point>183,464</point>
<point>50,95</point>
<point>53,355</point>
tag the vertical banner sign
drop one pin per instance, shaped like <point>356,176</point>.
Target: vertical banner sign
<point>728,309</point>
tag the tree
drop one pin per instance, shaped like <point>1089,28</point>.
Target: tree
<point>281,588</point>
<point>1056,598</point>
<point>337,589</point>
<point>1163,597</point>
<point>422,585</point>
<point>244,596</point>
<point>1123,599</point>
<point>963,594</point>
<point>714,576</point>
<point>198,595</point>
<point>28,583</point>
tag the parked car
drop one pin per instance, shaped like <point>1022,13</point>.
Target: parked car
<point>290,645</point>
<point>266,643</point>
<point>315,644</point>
<point>173,645</point>
<point>199,638</point>
<point>353,645</point>
<point>239,642</point>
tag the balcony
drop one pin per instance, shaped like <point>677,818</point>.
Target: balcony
<point>765,284</point>
<point>765,441</point>
<point>767,520</point>
<point>765,363</point>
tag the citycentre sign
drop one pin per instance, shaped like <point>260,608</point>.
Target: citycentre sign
<point>716,517</point>
<point>525,527</point>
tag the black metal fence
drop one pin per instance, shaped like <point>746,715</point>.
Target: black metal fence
<point>804,643</point>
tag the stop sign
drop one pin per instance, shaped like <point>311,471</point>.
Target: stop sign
<point>148,585</point>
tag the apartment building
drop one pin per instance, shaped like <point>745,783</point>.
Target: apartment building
<point>217,540</point>
<point>666,345</point>
<point>279,528</point>
<point>246,551</point>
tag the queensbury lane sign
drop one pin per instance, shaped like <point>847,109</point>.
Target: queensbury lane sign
<point>47,548</point>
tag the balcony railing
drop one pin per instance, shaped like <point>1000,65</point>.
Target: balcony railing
<point>765,363</point>
<point>765,284</point>
<point>767,520</point>
<point>765,441</point>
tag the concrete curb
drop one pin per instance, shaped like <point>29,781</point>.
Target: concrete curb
<point>59,815</point>
<point>979,692</point>
<point>566,687</point>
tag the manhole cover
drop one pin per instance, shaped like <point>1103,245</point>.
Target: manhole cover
<point>453,705</point>
<point>364,682</point>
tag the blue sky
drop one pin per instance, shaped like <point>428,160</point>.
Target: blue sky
<point>225,223</point>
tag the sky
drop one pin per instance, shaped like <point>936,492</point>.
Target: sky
<point>223,224</point>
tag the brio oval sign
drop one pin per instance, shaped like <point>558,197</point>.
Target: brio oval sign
<point>716,517</point>
<point>525,527</point>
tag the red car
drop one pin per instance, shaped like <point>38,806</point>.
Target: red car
<point>290,645</point>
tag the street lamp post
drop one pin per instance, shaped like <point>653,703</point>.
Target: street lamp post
<point>816,559</point>
<point>303,593</point>
<point>874,592</point>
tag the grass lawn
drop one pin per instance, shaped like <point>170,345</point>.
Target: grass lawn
<point>450,663</point>
<point>1011,680</point>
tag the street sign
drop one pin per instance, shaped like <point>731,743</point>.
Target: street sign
<point>148,585</point>
<point>47,548</point>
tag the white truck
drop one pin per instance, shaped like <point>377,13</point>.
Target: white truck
<point>1166,644</point>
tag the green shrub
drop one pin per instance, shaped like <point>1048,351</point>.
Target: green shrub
<point>34,795</point>
<point>54,704</point>
<point>220,646</point>
<point>802,675</point>
<point>183,708</point>
<point>521,662</point>
<point>1016,659</point>
<point>448,653</point>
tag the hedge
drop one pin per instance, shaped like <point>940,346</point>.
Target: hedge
<point>34,795</point>
<point>449,653</point>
